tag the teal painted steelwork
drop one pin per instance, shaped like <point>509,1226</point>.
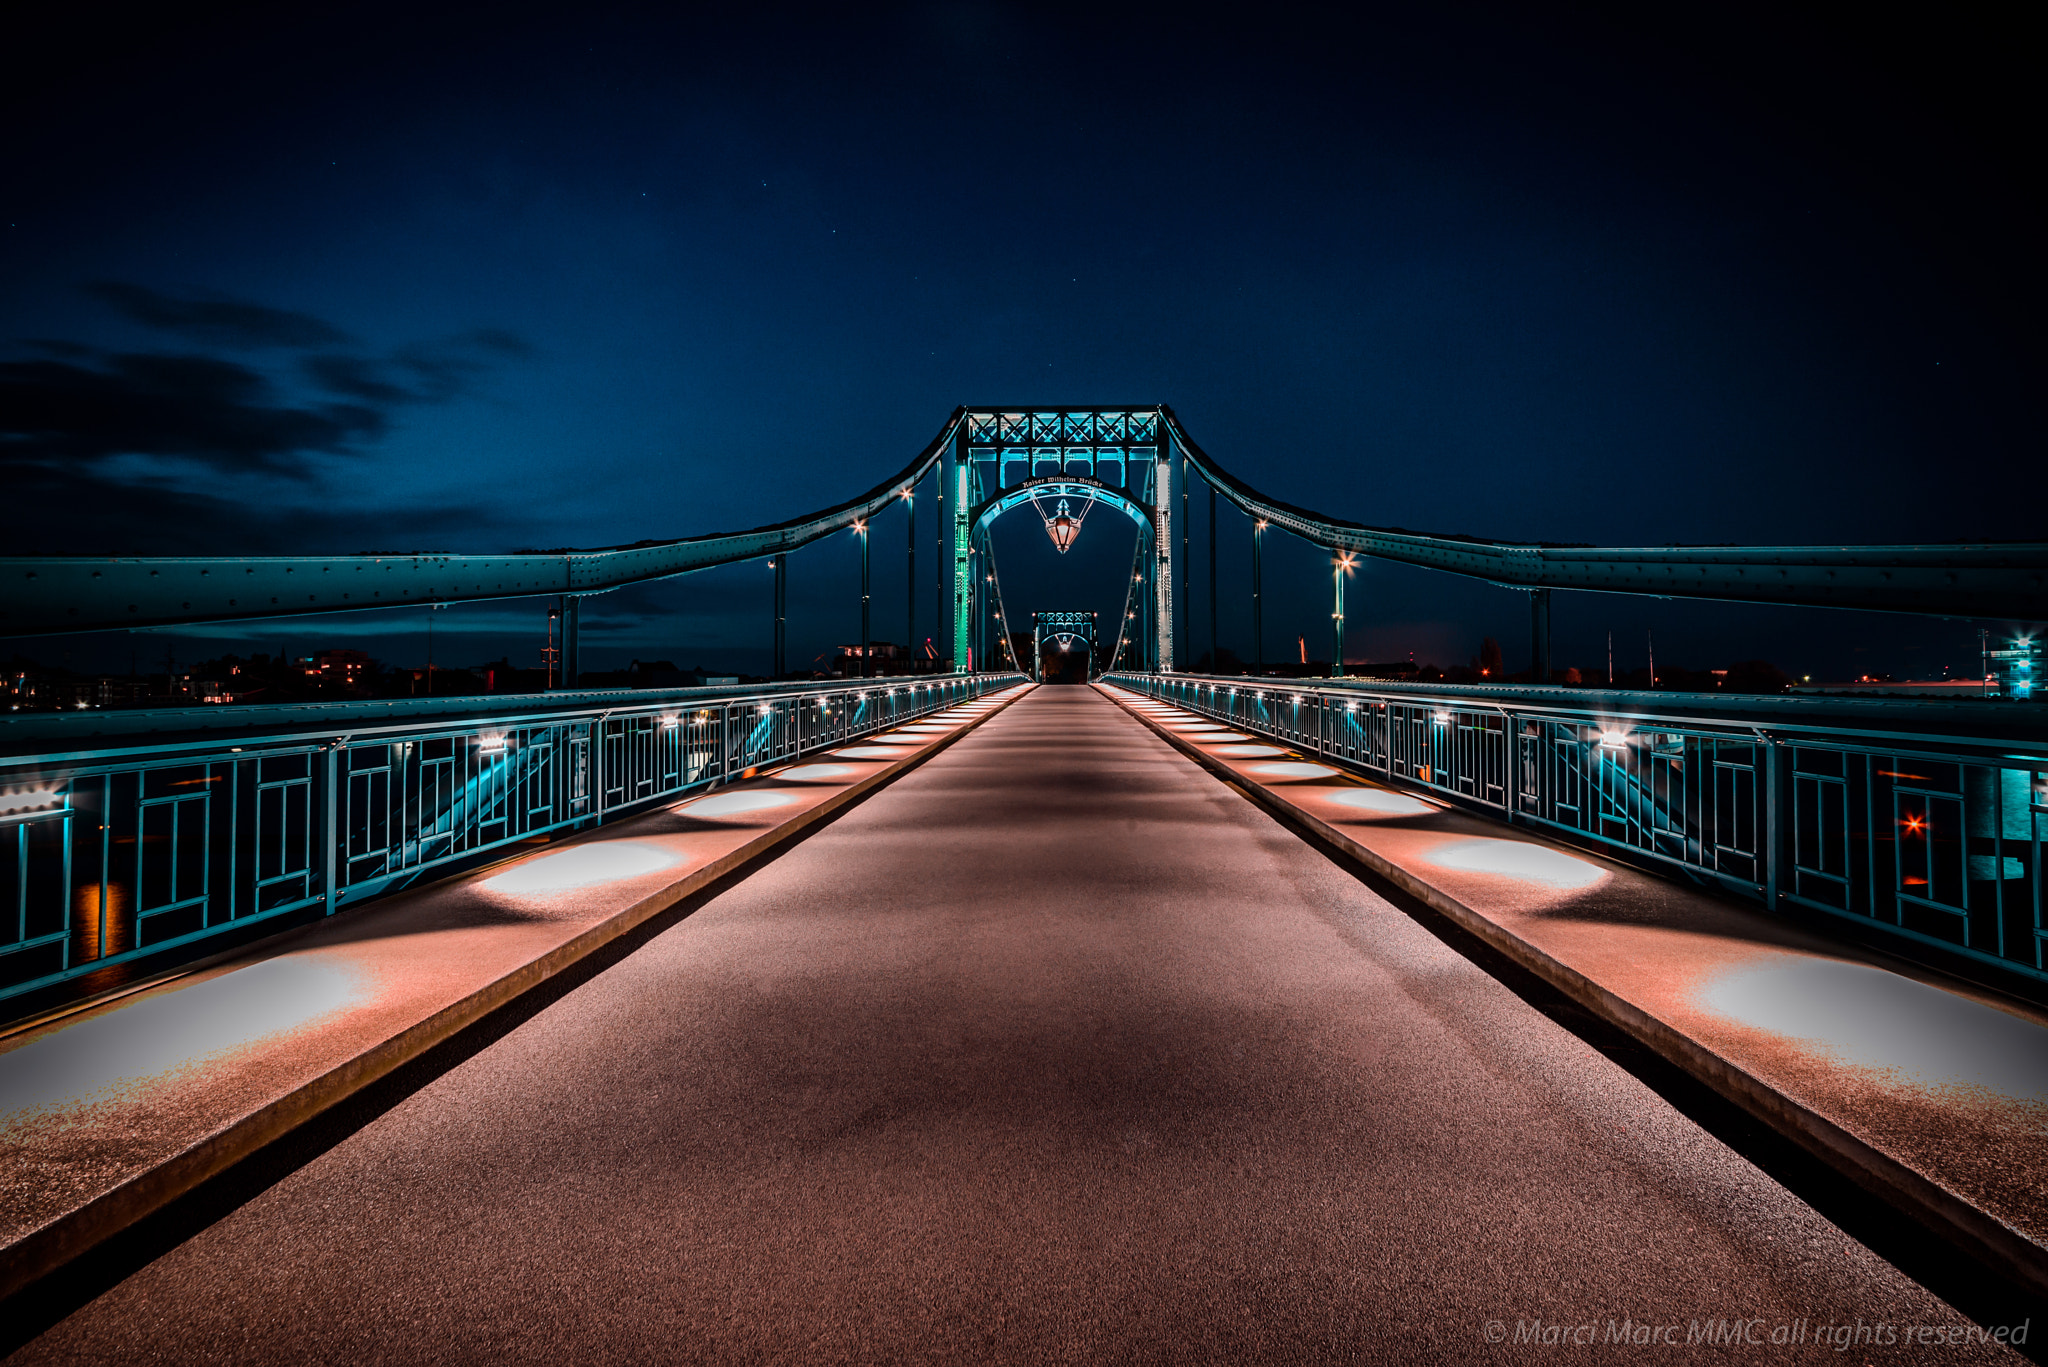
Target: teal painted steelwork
<point>962,480</point>
<point>979,453</point>
<point>1070,629</point>
<point>1919,822</point>
<point>1340,569</point>
<point>125,836</point>
<point>1128,631</point>
<point>1061,487</point>
<point>2001,580</point>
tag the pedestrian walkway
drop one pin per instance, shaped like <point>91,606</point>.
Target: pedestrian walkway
<point>110,1110</point>
<point>1053,1050</point>
<point>1931,1090</point>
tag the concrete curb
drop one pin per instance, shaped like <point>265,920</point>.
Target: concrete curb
<point>1984,1235</point>
<point>77,1232</point>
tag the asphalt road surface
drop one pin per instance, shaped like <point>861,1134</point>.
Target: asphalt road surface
<point>1055,1050</point>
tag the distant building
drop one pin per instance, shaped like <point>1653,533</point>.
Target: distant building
<point>2012,671</point>
<point>653,674</point>
<point>337,671</point>
<point>2015,671</point>
<point>885,657</point>
<point>29,691</point>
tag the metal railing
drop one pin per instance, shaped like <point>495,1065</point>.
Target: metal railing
<point>1882,813</point>
<point>118,852</point>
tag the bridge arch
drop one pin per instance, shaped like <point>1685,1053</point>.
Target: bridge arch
<point>1070,631</point>
<point>1070,489</point>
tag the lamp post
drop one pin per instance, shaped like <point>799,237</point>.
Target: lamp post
<point>1215,650</point>
<point>1259,596</point>
<point>910,577</point>
<point>780,609</point>
<point>1339,567</point>
<point>862,529</point>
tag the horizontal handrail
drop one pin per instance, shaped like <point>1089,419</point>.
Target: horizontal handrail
<point>1931,840</point>
<point>114,853</point>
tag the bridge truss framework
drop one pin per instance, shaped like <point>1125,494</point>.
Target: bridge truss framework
<point>986,461</point>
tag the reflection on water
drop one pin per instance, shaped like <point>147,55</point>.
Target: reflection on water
<point>732,804</point>
<point>1865,1016</point>
<point>1516,859</point>
<point>156,1036</point>
<point>582,866</point>
<point>811,773</point>
<point>1381,802</point>
<point>1295,770</point>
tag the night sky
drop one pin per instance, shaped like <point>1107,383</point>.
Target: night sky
<point>397,278</point>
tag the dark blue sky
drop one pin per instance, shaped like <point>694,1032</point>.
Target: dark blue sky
<point>396,278</point>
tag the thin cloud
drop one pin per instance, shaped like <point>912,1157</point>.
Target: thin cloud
<point>356,376</point>
<point>509,345</point>
<point>198,408</point>
<point>179,451</point>
<point>218,320</point>
<point>72,511</point>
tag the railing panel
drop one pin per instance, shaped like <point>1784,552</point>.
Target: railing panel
<point>111,855</point>
<point>1937,841</point>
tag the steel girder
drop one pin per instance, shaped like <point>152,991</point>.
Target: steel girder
<point>1062,486</point>
<point>1996,580</point>
<point>51,595</point>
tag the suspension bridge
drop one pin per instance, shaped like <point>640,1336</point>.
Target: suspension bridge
<point>964,1016</point>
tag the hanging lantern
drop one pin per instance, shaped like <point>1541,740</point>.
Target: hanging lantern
<point>1063,525</point>
<point>1063,528</point>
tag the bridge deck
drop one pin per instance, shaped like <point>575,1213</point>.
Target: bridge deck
<point>1055,1049</point>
